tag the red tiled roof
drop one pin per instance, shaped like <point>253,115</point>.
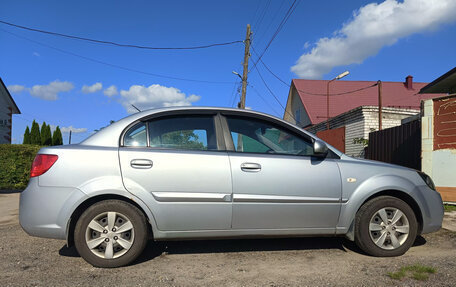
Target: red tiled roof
<point>394,94</point>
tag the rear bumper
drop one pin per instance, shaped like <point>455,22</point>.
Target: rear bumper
<point>46,211</point>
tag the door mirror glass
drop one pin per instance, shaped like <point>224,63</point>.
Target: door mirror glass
<point>320,148</point>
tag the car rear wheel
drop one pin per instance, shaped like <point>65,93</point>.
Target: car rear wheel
<point>385,226</point>
<point>111,233</point>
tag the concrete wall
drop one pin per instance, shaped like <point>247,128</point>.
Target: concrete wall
<point>440,164</point>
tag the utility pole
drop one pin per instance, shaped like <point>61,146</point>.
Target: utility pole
<point>379,84</point>
<point>241,104</point>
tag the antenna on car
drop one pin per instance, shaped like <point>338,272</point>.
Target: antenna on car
<point>135,107</point>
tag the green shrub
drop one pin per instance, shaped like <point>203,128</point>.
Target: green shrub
<point>15,163</point>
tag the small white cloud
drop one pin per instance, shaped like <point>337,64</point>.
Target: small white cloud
<point>73,130</point>
<point>93,88</point>
<point>16,88</point>
<point>154,96</point>
<point>373,27</point>
<point>36,54</point>
<point>50,92</point>
<point>111,91</point>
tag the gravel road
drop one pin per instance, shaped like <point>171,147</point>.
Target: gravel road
<point>30,261</point>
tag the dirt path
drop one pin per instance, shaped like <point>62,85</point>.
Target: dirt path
<point>29,261</point>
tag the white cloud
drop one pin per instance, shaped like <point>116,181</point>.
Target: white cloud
<point>50,92</point>
<point>93,88</point>
<point>16,88</point>
<point>372,27</point>
<point>111,91</point>
<point>73,130</point>
<point>154,96</point>
<point>36,54</point>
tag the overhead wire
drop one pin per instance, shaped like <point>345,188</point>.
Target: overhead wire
<point>260,19</point>
<point>279,28</point>
<point>115,65</point>
<point>258,39</point>
<point>309,93</point>
<point>115,43</point>
<point>275,97</point>
<point>264,100</point>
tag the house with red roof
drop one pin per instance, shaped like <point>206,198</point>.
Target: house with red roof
<point>351,109</point>
<point>7,108</point>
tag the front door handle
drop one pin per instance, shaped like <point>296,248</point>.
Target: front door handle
<point>141,163</point>
<point>250,167</point>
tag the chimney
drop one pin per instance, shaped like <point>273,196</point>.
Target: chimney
<point>409,82</point>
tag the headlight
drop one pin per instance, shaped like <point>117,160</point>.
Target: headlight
<point>427,179</point>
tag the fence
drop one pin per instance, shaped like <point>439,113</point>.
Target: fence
<point>400,145</point>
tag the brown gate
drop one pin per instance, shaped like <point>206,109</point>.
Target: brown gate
<point>335,137</point>
<point>399,145</point>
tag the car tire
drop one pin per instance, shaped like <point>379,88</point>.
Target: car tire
<point>385,226</point>
<point>111,233</point>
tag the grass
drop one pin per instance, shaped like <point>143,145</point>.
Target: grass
<point>449,207</point>
<point>417,272</point>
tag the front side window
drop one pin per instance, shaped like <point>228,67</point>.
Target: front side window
<point>183,132</point>
<point>257,136</point>
<point>136,136</point>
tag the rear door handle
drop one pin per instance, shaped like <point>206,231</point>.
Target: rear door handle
<point>250,167</point>
<point>141,163</point>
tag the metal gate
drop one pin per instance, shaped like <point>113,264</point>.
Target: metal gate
<point>400,145</point>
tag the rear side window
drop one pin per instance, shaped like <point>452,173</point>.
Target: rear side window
<point>183,132</point>
<point>136,136</point>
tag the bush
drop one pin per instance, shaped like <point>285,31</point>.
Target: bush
<point>15,164</point>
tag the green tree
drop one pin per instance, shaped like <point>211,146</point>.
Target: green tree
<point>35,136</point>
<point>46,138</point>
<point>186,139</point>
<point>46,135</point>
<point>57,137</point>
<point>26,136</point>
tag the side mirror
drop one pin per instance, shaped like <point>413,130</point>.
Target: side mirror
<point>320,148</point>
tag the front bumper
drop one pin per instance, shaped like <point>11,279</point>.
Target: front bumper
<point>432,210</point>
<point>46,211</point>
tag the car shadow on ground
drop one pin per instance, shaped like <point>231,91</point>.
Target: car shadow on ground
<point>155,249</point>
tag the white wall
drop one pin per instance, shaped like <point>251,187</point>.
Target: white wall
<point>440,164</point>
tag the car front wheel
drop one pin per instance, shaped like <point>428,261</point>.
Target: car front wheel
<point>385,226</point>
<point>111,233</point>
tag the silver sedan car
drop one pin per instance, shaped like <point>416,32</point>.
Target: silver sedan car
<point>193,173</point>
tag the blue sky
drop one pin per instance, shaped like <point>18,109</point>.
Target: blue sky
<point>46,75</point>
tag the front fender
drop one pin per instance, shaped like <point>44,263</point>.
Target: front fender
<point>368,188</point>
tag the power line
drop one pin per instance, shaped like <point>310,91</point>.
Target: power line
<point>258,39</point>
<point>275,97</point>
<point>114,65</point>
<point>258,22</point>
<point>309,93</point>
<point>115,43</point>
<point>264,100</point>
<point>279,28</point>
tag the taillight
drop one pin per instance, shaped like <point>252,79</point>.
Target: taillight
<point>42,163</point>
